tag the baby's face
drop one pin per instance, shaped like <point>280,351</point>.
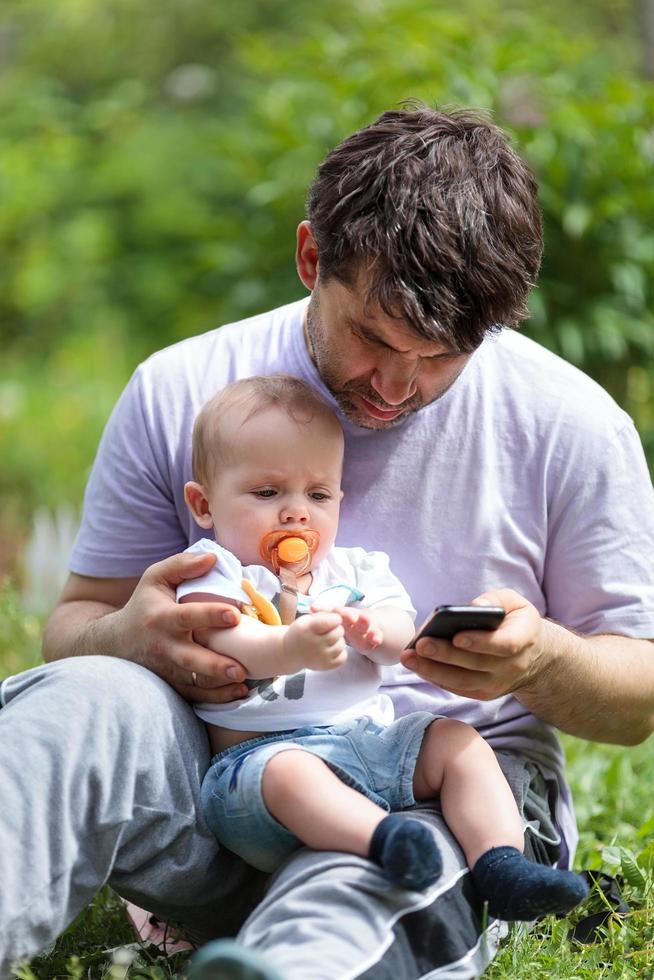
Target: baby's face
<point>277,475</point>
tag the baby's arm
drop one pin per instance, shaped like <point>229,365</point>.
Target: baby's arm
<point>315,641</point>
<point>379,633</point>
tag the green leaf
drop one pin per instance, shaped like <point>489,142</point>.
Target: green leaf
<point>630,869</point>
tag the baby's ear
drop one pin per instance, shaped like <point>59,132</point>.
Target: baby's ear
<point>198,503</point>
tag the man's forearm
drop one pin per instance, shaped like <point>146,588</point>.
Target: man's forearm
<point>80,628</point>
<point>599,687</point>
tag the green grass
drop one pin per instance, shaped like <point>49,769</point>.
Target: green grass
<point>615,807</point>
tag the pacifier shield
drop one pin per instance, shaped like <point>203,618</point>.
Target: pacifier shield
<point>289,548</point>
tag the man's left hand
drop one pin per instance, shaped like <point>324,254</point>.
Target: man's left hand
<point>485,664</point>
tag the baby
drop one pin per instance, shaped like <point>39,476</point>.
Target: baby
<point>312,754</point>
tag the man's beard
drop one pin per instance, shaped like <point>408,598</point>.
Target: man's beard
<point>329,363</point>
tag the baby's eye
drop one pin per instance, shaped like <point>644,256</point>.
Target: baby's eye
<point>319,495</point>
<point>266,492</point>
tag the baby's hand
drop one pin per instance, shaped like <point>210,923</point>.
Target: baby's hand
<point>359,631</point>
<point>317,641</point>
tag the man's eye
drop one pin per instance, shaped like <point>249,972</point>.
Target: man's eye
<point>268,492</point>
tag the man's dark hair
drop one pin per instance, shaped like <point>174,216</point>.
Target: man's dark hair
<point>440,215</point>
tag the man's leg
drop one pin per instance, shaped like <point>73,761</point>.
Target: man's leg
<point>100,771</point>
<point>329,916</point>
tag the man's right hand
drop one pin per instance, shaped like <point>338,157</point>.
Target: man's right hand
<point>100,616</point>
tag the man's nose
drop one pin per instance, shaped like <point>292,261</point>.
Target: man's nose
<point>396,380</point>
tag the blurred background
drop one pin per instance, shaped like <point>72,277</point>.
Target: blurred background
<point>154,160</point>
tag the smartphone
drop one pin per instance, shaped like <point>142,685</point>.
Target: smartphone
<point>446,621</point>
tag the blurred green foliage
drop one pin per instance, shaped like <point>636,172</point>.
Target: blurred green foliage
<point>154,159</point>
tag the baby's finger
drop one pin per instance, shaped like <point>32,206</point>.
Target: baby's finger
<point>347,616</point>
<point>323,622</point>
<point>337,654</point>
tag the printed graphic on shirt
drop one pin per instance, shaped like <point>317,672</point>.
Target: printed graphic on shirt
<point>293,687</point>
<point>294,684</point>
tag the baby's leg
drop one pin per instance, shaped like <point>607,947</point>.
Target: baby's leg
<point>308,798</point>
<point>457,763</point>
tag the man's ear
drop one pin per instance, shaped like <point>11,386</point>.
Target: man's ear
<point>198,503</point>
<point>306,255</point>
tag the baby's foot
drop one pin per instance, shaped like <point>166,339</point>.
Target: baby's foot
<point>405,848</point>
<point>519,889</point>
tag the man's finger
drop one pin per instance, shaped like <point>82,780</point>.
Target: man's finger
<point>509,599</point>
<point>442,652</point>
<point>465,683</point>
<point>191,616</point>
<point>194,658</point>
<point>483,642</point>
<point>214,695</point>
<point>178,568</point>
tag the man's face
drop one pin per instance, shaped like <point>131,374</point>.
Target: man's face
<point>377,368</point>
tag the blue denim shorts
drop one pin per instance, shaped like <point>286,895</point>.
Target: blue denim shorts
<point>377,761</point>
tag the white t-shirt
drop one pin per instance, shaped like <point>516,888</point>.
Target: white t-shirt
<point>524,474</point>
<point>309,697</point>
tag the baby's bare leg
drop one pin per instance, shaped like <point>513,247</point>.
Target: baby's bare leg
<point>455,762</point>
<point>303,794</point>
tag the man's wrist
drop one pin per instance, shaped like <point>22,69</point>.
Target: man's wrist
<point>561,669</point>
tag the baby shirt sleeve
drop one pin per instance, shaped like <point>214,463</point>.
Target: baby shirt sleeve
<point>223,579</point>
<point>378,583</point>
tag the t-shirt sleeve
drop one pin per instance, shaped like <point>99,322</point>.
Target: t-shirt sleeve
<point>599,569</point>
<point>129,518</point>
<point>378,583</point>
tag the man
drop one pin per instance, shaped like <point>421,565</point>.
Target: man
<point>485,466</point>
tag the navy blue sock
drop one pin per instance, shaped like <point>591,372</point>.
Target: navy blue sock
<point>518,889</point>
<point>406,850</point>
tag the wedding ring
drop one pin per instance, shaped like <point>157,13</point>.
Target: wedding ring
<point>194,678</point>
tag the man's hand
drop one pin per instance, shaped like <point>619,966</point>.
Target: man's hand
<point>99,616</point>
<point>485,664</point>
<point>316,641</point>
<point>359,631</point>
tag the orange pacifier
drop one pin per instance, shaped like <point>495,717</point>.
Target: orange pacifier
<point>293,549</point>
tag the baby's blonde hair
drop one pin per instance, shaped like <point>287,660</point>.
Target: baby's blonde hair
<point>298,399</point>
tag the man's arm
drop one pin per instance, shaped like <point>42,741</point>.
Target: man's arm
<point>595,687</point>
<point>139,620</point>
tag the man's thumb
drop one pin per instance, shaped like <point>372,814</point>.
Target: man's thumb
<point>186,565</point>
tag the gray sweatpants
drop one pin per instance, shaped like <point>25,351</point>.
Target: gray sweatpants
<point>100,771</point>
